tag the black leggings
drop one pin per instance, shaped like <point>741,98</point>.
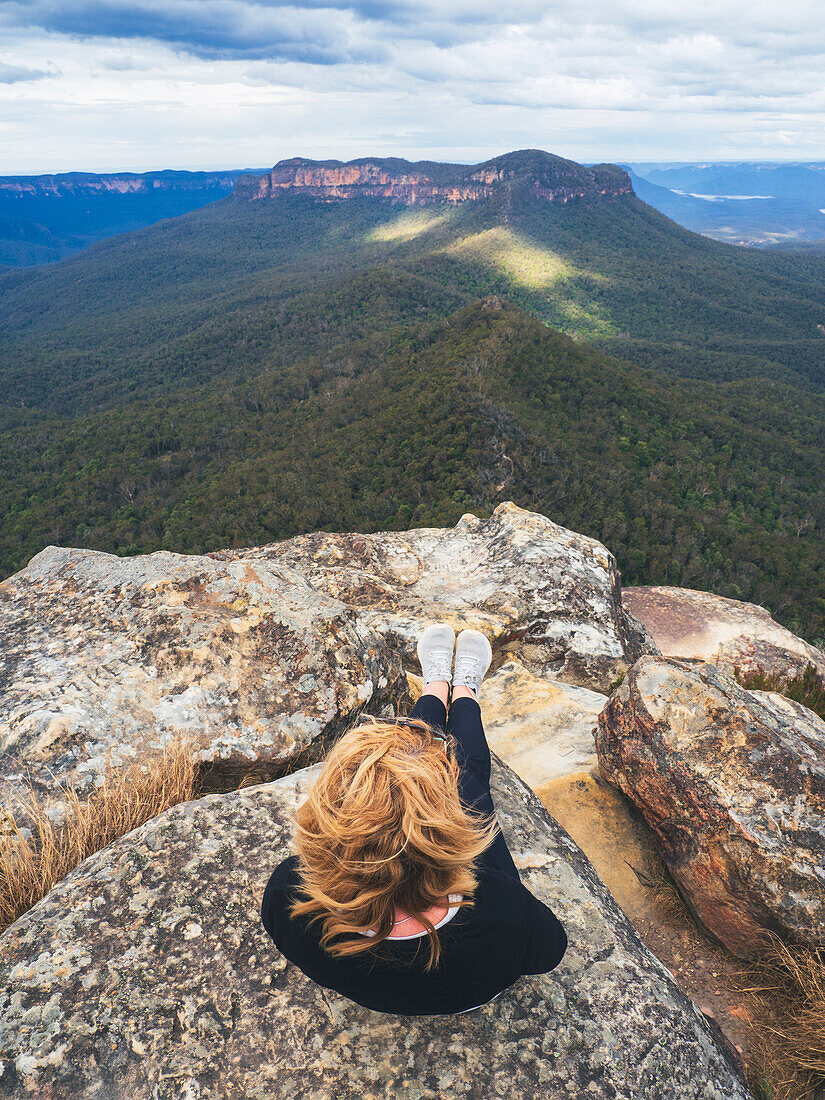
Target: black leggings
<point>473,753</point>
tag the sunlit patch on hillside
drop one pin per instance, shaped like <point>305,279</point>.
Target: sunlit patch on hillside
<point>585,321</point>
<point>549,286</point>
<point>522,261</point>
<point>409,225</point>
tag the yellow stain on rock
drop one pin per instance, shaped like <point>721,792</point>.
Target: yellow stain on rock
<point>542,728</point>
<point>600,820</point>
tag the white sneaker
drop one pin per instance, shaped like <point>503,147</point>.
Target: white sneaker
<point>435,652</point>
<point>473,654</point>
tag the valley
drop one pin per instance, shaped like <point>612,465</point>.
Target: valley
<point>290,359</point>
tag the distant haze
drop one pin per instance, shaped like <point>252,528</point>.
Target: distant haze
<point>766,204</point>
<point>117,85</point>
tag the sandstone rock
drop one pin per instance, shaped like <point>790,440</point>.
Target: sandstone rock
<point>732,785</point>
<point>105,659</point>
<point>146,974</point>
<point>546,595</point>
<point>543,729</point>
<point>616,840</point>
<point>261,654</point>
<point>688,623</point>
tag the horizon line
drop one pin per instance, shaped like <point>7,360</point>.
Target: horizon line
<point>673,162</point>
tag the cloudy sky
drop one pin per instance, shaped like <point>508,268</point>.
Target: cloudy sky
<point>116,85</point>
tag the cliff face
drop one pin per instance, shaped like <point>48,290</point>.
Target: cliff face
<point>124,183</point>
<point>548,177</point>
<point>349,180</point>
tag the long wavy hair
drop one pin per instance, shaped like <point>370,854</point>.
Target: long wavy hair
<point>383,826</point>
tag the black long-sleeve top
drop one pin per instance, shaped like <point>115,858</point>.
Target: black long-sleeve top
<point>507,933</point>
<point>484,948</point>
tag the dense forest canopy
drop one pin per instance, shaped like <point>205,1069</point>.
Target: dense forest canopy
<point>256,369</point>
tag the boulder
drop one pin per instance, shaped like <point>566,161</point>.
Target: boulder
<point>146,974</point>
<point>262,656</point>
<point>543,729</point>
<point>543,594</point>
<point>106,659</point>
<point>732,785</point>
<point>704,626</point>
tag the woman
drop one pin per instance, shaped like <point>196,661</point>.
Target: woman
<point>398,850</point>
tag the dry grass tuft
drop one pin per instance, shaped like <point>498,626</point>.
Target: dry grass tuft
<point>34,859</point>
<point>665,892</point>
<point>669,897</point>
<point>788,1041</point>
<point>807,687</point>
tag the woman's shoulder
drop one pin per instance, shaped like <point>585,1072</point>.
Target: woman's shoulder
<point>285,876</point>
<point>502,898</point>
<point>279,892</point>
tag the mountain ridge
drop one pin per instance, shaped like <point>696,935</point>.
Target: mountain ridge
<point>416,183</point>
<point>74,183</point>
<point>253,367</point>
<point>45,218</point>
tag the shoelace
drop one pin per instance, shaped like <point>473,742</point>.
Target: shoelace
<point>440,660</point>
<point>466,668</point>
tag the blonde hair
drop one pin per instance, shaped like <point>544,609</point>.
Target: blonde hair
<point>382,826</point>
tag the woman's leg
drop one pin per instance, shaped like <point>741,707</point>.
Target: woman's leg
<point>473,753</point>
<point>432,705</point>
<point>464,723</point>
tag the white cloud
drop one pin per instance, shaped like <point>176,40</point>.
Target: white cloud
<point>17,74</point>
<point>227,83</point>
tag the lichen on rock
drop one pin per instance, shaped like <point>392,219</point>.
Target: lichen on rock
<point>147,975</point>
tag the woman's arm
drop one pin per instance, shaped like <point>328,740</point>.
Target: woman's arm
<point>545,940</point>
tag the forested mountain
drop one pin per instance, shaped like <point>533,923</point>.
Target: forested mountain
<point>44,218</point>
<point>315,351</point>
<point>249,282</point>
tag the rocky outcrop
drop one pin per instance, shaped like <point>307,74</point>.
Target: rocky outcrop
<point>106,659</point>
<point>688,623</point>
<point>550,178</point>
<point>259,655</point>
<point>542,728</point>
<point>544,594</point>
<point>147,974</point>
<point>732,785</point>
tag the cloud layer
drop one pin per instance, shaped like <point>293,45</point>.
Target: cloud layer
<point>216,83</point>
